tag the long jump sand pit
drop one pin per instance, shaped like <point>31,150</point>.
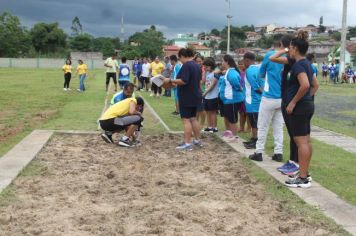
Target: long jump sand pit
<point>87,187</point>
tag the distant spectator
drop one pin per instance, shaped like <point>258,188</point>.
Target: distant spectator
<point>124,73</point>
<point>82,71</point>
<point>145,75</point>
<point>67,69</point>
<point>350,74</point>
<point>337,70</point>
<point>156,68</point>
<point>344,78</point>
<point>176,65</point>
<point>167,73</point>
<point>325,70</point>
<point>332,70</point>
<point>111,65</point>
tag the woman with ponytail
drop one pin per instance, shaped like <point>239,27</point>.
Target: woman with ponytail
<point>300,89</point>
<point>232,96</point>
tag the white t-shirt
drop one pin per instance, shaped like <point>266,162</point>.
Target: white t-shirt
<point>113,63</point>
<point>146,70</point>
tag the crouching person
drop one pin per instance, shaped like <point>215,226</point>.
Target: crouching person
<point>125,115</point>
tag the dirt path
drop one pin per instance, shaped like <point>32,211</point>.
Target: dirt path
<point>87,187</point>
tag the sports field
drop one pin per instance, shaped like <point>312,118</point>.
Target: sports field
<point>34,99</point>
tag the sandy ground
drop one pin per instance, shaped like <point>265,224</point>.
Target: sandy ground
<point>87,187</point>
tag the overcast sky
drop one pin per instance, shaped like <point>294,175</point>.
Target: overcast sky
<point>103,17</point>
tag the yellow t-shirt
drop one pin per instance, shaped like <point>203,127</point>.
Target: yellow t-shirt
<point>82,69</point>
<point>119,109</point>
<point>67,68</point>
<point>157,68</point>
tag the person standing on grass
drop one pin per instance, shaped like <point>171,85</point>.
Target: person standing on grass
<point>82,71</point>
<point>242,112</point>
<point>156,68</point>
<point>145,74</point>
<point>232,96</point>
<point>190,96</point>
<point>125,115</point>
<point>332,70</point>
<point>325,70</point>
<point>138,73</point>
<point>135,70</point>
<point>270,108</point>
<point>201,114</point>
<point>124,73</point>
<point>253,93</point>
<point>167,74</point>
<point>211,95</point>
<point>111,65</point>
<point>67,69</point>
<point>176,68</point>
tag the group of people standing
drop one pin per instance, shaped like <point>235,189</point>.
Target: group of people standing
<point>279,90</point>
<point>81,71</point>
<point>333,71</point>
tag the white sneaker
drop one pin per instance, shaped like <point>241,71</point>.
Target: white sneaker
<point>68,89</point>
<point>151,95</point>
<point>79,90</point>
<point>64,89</point>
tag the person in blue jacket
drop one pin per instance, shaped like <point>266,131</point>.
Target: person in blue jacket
<point>231,94</point>
<point>127,92</point>
<point>253,93</point>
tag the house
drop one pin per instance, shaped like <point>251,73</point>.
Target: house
<point>201,49</point>
<point>266,29</point>
<point>321,49</point>
<point>252,37</point>
<point>283,30</point>
<point>169,50</point>
<point>184,39</point>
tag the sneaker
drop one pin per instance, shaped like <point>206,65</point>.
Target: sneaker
<point>68,89</point>
<point>185,146</point>
<point>214,130</point>
<point>107,138</point>
<point>256,157</point>
<point>284,166</point>
<point>136,143</point>
<point>277,157</point>
<point>298,183</point>
<point>206,130</point>
<point>198,143</point>
<point>290,170</point>
<point>79,90</point>
<point>64,89</point>
<point>151,95</point>
<point>296,175</point>
<point>125,143</point>
<point>175,113</point>
<point>252,140</point>
<point>250,145</point>
<point>227,133</point>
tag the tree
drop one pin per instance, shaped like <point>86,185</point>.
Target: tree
<point>81,42</point>
<point>15,39</point>
<point>48,38</point>
<point>352,32</point>
<point>130,51</point>
<point>104,45</point>
<point>76,27</point>
<point>335,35</point>
<point>149,42</point>
<point>215,32</point>
<point>265,42</point>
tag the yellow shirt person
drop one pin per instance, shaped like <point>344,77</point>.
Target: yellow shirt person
<point>157,68</point>
<point>119,109</point>
<point>82,69</point>
<point>67,69</point>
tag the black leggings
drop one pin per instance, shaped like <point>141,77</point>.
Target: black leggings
<point>293,149</point>
<point>67,77</point>
<point>156,89</point>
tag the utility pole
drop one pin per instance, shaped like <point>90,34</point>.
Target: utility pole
<point>343,39</point>
<point>228,28</point>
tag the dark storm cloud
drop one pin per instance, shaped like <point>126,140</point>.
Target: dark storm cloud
<point>172,17</point>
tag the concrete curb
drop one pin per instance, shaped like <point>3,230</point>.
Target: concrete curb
<point>329,203</point>
<point>13,162</point>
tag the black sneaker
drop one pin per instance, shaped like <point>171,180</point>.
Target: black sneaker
<point>250,145</point>
<point>214,130</point>
<point>252,140</point>
<point>298,183</point>
<point>206,130</point>
<point>256,157</point>
<point>107,138</point>
<point>125,143</point>
<point>296,175</point>
<point>277,157</point>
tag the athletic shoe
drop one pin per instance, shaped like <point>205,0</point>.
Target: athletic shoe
<point>175,113</point>
<point>107,138</point>
<point>277,157</point>
<point>285,165</point>
<point>79,90</point>
<point>185,146</point>
<point>68,89</point>
<point>296,175</point>
<point>252,140</point>
<point>206,130</point>
<point>298,183</point>
<point>214,130</point>
<point>250,145</point>
<point>256,157</point>
<point>198,143</point>
<point>64,89</point>
<point>290,170</point>
<point>136,143</point>
<point>125,143</point>
<point>151,95</point>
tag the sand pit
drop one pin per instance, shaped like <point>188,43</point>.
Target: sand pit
<point>87,187</point>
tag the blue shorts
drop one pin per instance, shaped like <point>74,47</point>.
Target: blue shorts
<point>122,83</point>
<point>175,94</point>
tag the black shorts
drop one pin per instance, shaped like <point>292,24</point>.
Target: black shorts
<point>111,75</point>
<point>253,118</point>
<point>221,108</point>
<point>201,106</point>
<point>231,111</point>
<point>299,124</point>
<point>144,79</point>
<point>211,104</point>
<point>118,124</point>
<point>188,112</point>
<point>325,73</point>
